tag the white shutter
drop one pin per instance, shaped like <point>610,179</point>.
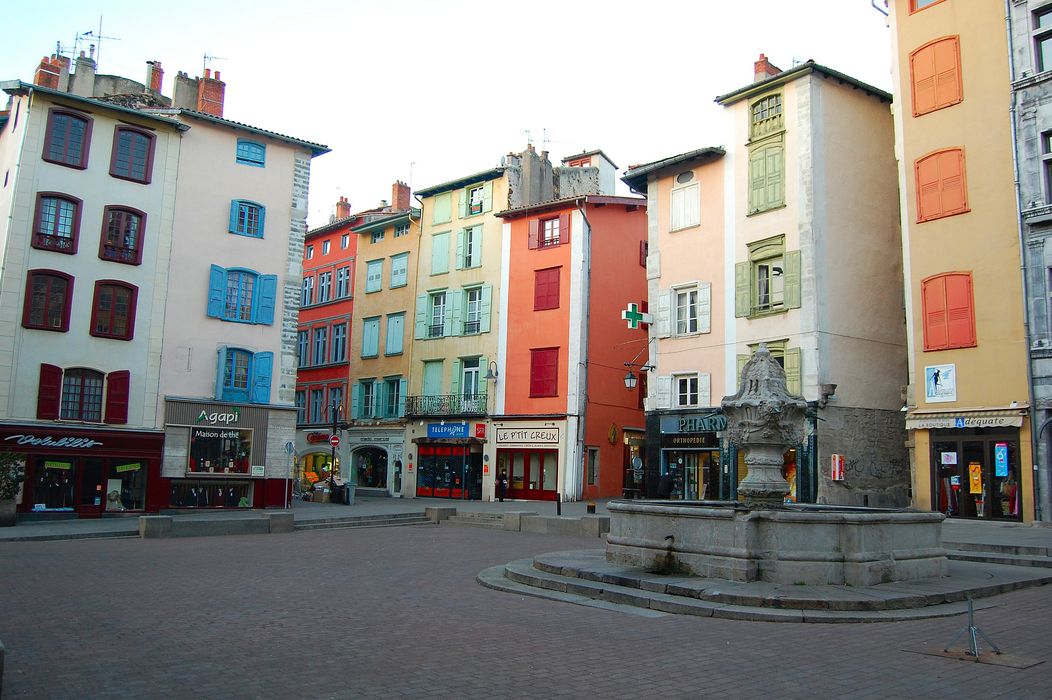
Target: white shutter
<point>704,307</point>
<point>663,322</point>
<point>663,392</point>
<point>653,263</point>
<point>704,389</point>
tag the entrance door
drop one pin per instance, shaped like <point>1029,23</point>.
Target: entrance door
<point>977,478</point>
<point>532,473</point>
<point>92,495</point>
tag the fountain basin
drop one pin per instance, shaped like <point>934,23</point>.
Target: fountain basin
<point>795,544</point>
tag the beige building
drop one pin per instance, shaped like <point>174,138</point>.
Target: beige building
<point>968,398</point>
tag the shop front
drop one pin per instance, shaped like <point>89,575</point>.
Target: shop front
<point>690,454</point>
<point>972,463</point>
<point>86,472</point>
<point>215,456</point>
<point>449,461</point>
<point>529,453</point>
<point>376,459</point>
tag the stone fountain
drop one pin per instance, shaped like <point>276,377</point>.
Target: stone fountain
<point>762,538</point>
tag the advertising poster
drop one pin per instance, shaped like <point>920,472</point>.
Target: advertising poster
<point>1001,459</point>
<point>975,478</point>
<point>940,383</point>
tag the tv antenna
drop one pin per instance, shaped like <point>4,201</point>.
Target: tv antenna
<point>97,37</point>
<point>208,58</point>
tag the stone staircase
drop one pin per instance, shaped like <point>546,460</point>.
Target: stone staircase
<point>585,578</point>
<point>492,521</point>
<point>1010,555</point>
<point>357,521</point>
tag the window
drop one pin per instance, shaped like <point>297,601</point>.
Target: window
<point>440,253</point>
<point>544,233</point>
<point>57,223</point>
<point>593,466</point>
<point>376,236</point>
<point>301,407</point>
<point>82,395</point>
<point>686,388</point>
<point>325,246</point>
<point>544,372</point>
<point>473,315</point>
<point>686,311</point>
<point>766,175</point>
<point>788,358</point>
<point>339,342</point>
<point>244,376</point>
<point>238,294</point>
<point>246,219</point>
<point>949,311</point>
<point>303,349</point>
<point>49,295</point>
<point>770,281</point>
<point>935,75</point>
<point>916,5</point>
<point>132,157</point>
<point>345,241</point>
<point>336,397</point>
<point>371,336</point>
<point>367,400</point>
<point>394,406</point>
<point>766,117</point>
<point>546,289</point>
<point>685,206</point>
<point>469,247</point>
<point>399,270</point>
<point>122,231</point>
<point>374,275</point>
<point>321,345</point>
<point>324,286</point>
<point>476,199</point>
<point>317,406</point>
<point>401,230</point>
<point>942,189</point>
<point>251,153</point>
<point>113,310</point>
<point>579,163</point>
<point>309,251</point>
<point>443,211</point>
<point>68,137</point>
<point>308,291</point>
<point>343,282</point>
<point>469,377</point>
<point>437,316</point>
<point>395,334</point>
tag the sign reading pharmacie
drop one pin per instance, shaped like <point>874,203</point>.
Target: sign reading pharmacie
<point>711,422</point>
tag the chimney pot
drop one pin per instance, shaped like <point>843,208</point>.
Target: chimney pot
<point>764,69</point>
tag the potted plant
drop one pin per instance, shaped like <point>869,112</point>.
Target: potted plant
<point>12,470</point>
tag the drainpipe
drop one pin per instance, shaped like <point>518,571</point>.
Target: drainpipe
<point>586,264</point>
<point>1041,495</point>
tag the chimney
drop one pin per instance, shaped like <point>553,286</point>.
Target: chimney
<point>83,84</point>
<point>764,69</point>
<point>47,74</point>
<point>343,208</point>
<point>210,93</point>
<point>154,76</point>
<point>400,195</point>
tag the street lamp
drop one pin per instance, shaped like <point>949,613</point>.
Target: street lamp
<point>337,410</point>
<point>491,372</point>
<point>630,378</point>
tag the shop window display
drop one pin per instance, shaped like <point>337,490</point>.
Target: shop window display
<point>54,486</point>
<point>211,494</point>
<point>220,451</point>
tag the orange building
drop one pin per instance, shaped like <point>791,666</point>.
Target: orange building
<point>564,422</point>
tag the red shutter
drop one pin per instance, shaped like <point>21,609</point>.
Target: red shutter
<point>117,389</point>
<point>535,233</point>
<point>922,70</point>
<point>544,372</point>
<point>540,289</point>
<point>933,308</point>
<point>643,250</point>
<point>564,229</point>
<point>960,313</point>
<point>553,288</point>
<point>49,392</point>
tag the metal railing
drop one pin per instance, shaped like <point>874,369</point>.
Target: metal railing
<point>446,405</point>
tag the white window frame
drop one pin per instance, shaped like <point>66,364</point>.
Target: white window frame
<point>469,377</point>
<point>436,314</point>
<point>472,310</point>
<point>685,206</point>
<point>690,309</point>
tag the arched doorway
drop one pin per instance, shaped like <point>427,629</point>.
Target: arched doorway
<point>370,467</point>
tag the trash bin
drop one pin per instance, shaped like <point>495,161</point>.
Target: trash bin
<point>346,497</point>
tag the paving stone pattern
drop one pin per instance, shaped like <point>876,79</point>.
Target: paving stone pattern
<point>396,612</point>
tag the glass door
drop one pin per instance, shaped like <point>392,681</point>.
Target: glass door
<point>91,496</point>
<point>977,478</point>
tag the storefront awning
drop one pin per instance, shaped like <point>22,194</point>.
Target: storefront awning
<point>994,417</point>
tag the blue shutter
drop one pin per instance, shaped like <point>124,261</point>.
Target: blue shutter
<point>464,194</point>
<point>454,380</point>
<point>216,291</point>
<point>356,399</point>
<point>402,387</point>
<point>262,220</point>
<point>234,207</point>
<point>447,318</point>
<point>460,249</point>
<point>420,330</point>
<point>378,398</point>
<point>485,308</point>
<point>262,369</point>
<point>456,311</point>
<point>268,293</point>
<point>220,366</point>
<point>487,196</point>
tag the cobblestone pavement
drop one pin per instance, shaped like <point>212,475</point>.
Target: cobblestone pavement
<point>396,612</point>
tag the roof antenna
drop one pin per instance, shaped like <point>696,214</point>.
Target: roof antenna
<point>98,37</point>
<point>208,58</point>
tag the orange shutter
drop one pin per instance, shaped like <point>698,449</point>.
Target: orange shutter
<point>535,233</point>
<point>960,315</point>
<point>951,175</point>
<point>933,308</point>
<point>941,186</point>
<point>922,70</point>
<point>947,60</point>
<point>929,204</point>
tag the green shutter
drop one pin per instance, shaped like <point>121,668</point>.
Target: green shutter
<point>440,253</point>
<point>447,317</point>
<point>792,279</point>
<point>757,180</point>
<point>742,289</point>
<point>420,331</point>
<point>775,175</point>
<point>401,397</point>
<point>464,202</point>
<point>378,398</point>
<point>487,196</point>
<point>456,312</point>
<point>476,247</point>
<point>356,399</point>
<point>454,380</point>
<point>742,361</point>
<point>443,208</point>
<point>793,383</point>
<point>485,308</point>
<point>460,249</point>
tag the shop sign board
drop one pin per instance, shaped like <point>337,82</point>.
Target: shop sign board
<point>317,437</point>
<point>694,423</point>
<point>259,470</point>
<point>447,430</point>
<point>219,418</point>
<point>480,430</point>
<point>977,421</point>
<point>527,436</point>
<point>134,467</point>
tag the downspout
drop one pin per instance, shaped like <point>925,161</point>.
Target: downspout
<point>412,346</point>
<point>1041,482</point>
<point>586,262</point>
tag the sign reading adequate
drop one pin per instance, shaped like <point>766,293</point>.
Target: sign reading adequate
<point>528,436</point>
<point>447,430</point>
<point>922,422</point>
<point>334,440</point>
<point>635,317</point>
<point>836,469</point>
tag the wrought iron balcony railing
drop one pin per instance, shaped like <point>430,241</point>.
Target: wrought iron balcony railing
<point>446,405</point>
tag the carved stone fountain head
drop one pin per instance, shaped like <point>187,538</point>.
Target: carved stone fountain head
<point>764,420</point>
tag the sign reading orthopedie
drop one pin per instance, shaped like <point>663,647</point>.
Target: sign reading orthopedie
<point>447,430</point>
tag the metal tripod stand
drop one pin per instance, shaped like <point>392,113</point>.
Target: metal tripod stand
<point>973,635</point>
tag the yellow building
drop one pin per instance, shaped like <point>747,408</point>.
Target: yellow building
<point>967,400</point>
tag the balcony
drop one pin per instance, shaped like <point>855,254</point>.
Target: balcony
<point>447,405</point>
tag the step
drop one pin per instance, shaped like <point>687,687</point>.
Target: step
<point>363,521</point>
<point>484,520</point>
<point>999,558</point>
<point>1019,549</point>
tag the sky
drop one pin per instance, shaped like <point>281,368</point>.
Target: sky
<point>426,91</point>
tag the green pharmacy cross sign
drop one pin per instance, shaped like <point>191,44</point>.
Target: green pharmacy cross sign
<point>635,317</point>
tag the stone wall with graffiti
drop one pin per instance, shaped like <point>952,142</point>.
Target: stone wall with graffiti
<point>876,465</point>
